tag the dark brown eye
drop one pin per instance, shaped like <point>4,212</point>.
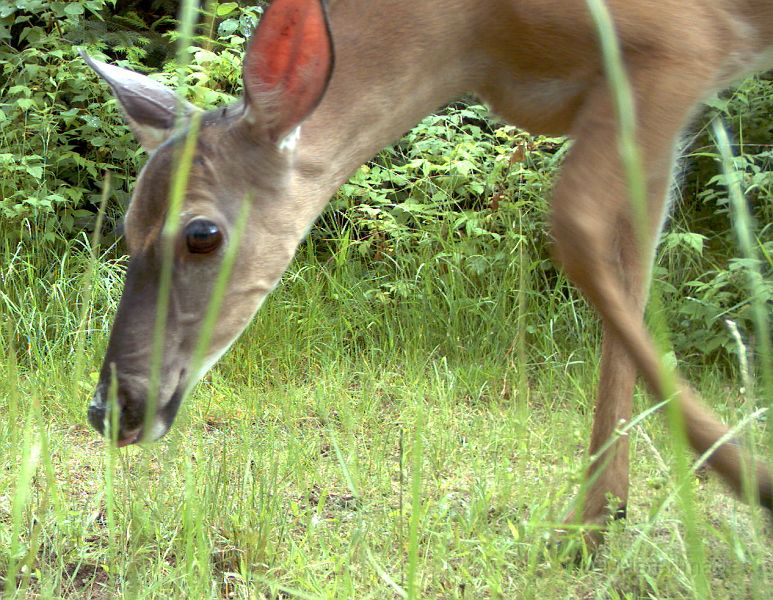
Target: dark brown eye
<point>202,236</point>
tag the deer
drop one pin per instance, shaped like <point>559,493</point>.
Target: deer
<point>326,87</point>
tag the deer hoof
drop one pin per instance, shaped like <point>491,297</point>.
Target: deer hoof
<point>578,541</point>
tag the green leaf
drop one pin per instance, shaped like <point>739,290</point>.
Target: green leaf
<point>20,89</point>
<point>228,26</point>
<point>74,9</point>
<point>56,198</point>
<point>226,8</point>
<point>35,170</point>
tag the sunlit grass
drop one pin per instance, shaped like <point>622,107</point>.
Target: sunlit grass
<point>294,465</point>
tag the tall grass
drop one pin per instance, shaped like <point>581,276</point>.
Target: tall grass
<point>413,426</point>
<point>344,444</point>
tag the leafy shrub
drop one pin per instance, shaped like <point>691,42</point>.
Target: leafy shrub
<point>702,277</point>
<point>60,129</point>
<point>52,149</point>
<point>460,188</point>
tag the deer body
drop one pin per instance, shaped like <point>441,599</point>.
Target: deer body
<point>537,63</point>
<point>534,63</point>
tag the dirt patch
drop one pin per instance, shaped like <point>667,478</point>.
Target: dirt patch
<point>86,580</point>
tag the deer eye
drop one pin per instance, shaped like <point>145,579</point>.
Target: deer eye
<point>202,236</point>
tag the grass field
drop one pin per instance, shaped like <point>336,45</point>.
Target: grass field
<point>411,426</point>
<point>426,445</point>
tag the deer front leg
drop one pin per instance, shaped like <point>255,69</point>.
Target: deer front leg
<point>605,495</point>
<point>608,256</point>
<point>607,477</point>
<point>597,243</point>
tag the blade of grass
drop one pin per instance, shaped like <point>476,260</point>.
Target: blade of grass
<point>412,588</point>
<point>181,172</point>
<point>28,462</point>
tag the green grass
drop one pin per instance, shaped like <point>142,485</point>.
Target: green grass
<point>413,425</point>
<point>349,446</point>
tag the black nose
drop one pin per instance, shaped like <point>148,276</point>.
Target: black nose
<point>98,414</point>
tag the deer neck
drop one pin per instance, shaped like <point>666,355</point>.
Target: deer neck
<point>380,88</point>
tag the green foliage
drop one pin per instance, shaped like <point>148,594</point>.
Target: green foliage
<point>61,131</point>
<point>293,466</point>
<point>457,176</point>
<point>52,149</point>
<point>700,279</point>
<point>460,192</point>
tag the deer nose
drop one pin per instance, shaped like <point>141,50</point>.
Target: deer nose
<point>99,414</point>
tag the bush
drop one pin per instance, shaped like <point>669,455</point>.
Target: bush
<point>60,130</point>
<point>702,276</point>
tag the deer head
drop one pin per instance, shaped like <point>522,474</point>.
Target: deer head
<point>243,153</point>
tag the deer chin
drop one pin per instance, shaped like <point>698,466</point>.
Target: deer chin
<point>164,418</point>
<point>158,429</point>
<point>207,364</point>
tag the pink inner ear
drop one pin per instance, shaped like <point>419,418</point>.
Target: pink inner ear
<point>289,61</point>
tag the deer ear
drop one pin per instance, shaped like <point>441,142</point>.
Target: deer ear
<point>287,66</point>
<point>150,108</point>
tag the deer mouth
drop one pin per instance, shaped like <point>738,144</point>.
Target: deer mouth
<point>130,437</point>
<point>159,425</point>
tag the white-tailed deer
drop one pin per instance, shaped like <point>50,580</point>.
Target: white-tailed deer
<point>304,125</point>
